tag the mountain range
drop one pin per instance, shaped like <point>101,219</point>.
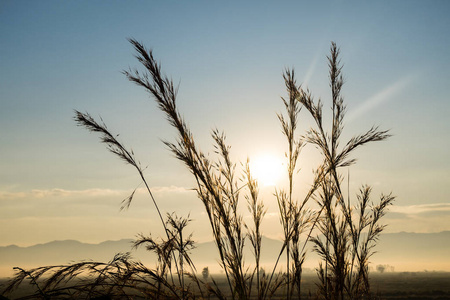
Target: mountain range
<point>398,251</point>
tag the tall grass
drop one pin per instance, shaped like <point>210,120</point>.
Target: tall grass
<point>343,231</point>
<point>344,248</point>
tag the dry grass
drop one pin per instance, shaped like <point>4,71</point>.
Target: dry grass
<point>343,231</point>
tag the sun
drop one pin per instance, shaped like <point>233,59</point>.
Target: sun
<point>266,169</point>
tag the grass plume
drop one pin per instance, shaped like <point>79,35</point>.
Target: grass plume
<point>343,231</point>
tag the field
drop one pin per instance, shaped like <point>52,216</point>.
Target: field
<point>395,285</point>
<point>412,285</point>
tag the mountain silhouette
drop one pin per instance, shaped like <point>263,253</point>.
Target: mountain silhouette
<point>404,251</point>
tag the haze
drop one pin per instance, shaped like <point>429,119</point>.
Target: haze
<point>57,181</point>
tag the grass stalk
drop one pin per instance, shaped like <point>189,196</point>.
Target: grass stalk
<point>343,233</point>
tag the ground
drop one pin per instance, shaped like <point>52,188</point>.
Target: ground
<point>392,285</point>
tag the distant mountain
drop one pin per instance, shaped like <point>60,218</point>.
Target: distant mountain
<point>58,252</point>
<point>62,251</point>
<point>405,251</point>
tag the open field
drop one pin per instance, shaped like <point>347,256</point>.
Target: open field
<point>395,285</point>
<point>412,285</point>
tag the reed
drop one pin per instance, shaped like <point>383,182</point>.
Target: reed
<point>343,231</point>
<point>343,246</point>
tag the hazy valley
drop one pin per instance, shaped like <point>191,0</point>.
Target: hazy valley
<point>404,252</point>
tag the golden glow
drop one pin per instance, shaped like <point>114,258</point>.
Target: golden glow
<point>267,170</point>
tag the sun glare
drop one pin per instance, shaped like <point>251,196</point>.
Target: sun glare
<point>267,170</point>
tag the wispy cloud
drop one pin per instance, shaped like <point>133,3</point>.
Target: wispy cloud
<point>381,97</point>
<point>59,193</point>
<point>311,69</point>
<point>432,217</point>
<point>172,189</point>
<point>63,193</point>
<point>421,209</point>
<point>69,193</point>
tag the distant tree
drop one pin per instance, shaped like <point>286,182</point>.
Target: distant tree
<point>205,273</point>
<point>381,268</point>
<point>384,268</point>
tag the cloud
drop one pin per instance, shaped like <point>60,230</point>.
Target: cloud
<point>434,217</point>
<point>63,193</point>
<point>59,193</point>
<point>422,209</point>
<point>70,193</point>
<point>56,201</point>
<point>311,69</point>
<point>381,97</point>
<point>171,189</point>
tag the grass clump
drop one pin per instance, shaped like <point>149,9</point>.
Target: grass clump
<point>343,231</point>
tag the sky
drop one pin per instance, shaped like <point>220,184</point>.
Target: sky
<point>58,182</point>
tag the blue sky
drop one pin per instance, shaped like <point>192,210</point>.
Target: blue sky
<point>228,58</point>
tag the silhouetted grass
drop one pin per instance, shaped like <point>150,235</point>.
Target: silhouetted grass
<point>343,231</point>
